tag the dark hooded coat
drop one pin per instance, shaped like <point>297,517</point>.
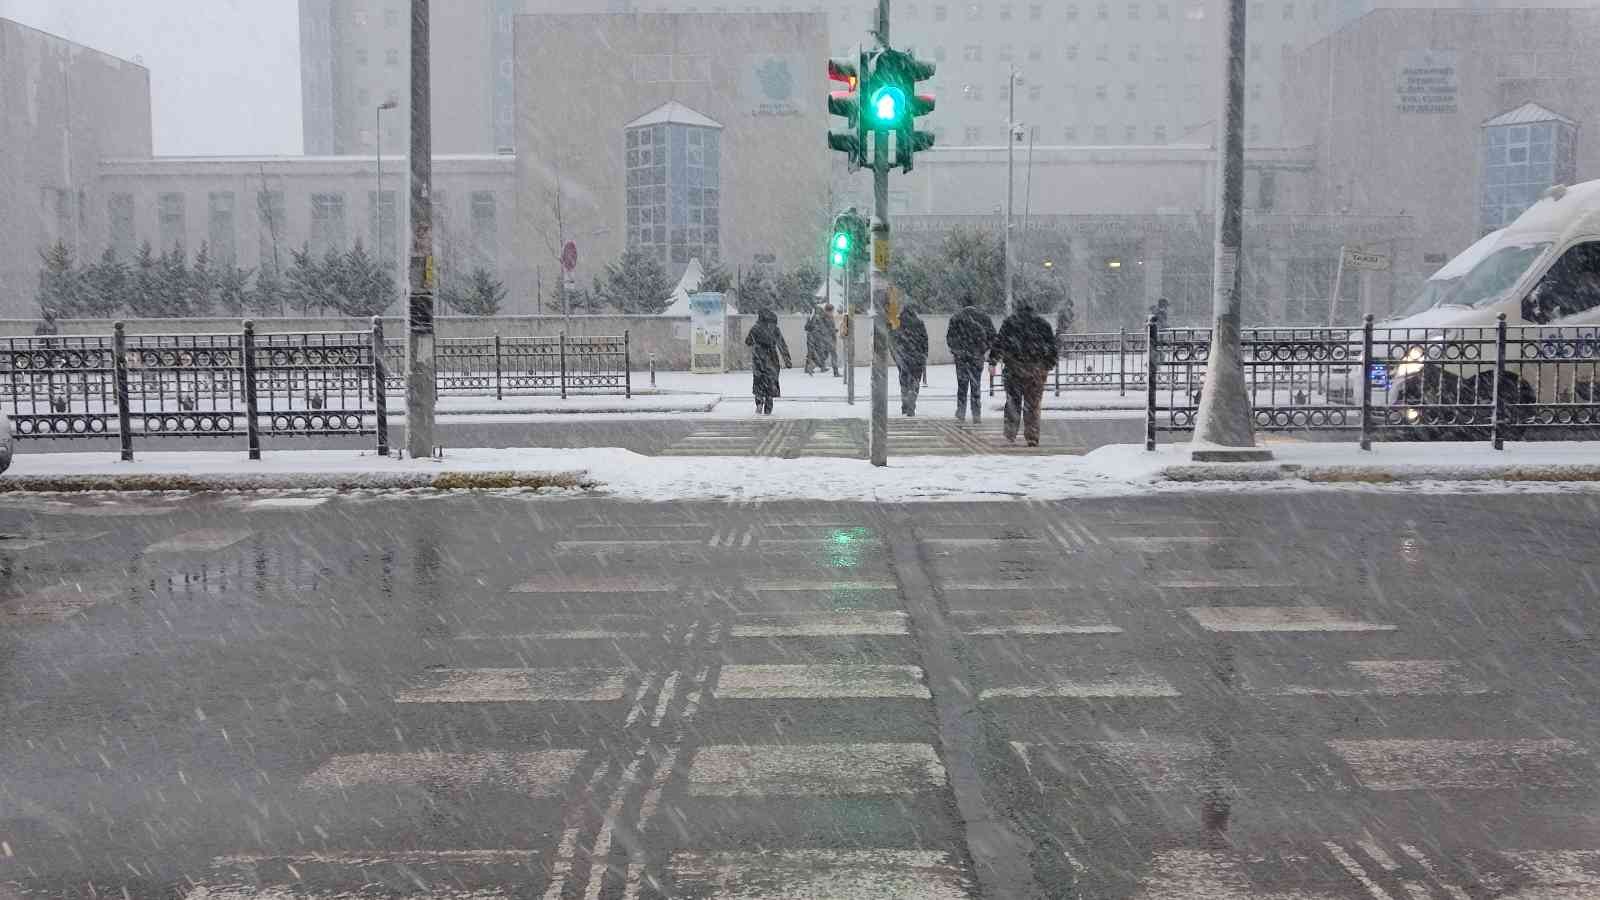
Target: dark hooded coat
<point>767,350</point>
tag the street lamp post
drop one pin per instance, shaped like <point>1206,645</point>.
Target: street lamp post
<point>377,197</point>
<point>1011,169</point>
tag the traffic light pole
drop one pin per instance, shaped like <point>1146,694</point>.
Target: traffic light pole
<point>850,336</point>
<point>420,389</point>
<point>878,446</point>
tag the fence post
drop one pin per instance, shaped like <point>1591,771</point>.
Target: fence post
<point>1366,382</point>
<point>499,387</point>
<point>1150,385</point>
<point>119,376</point>
<point>1122,361</point>
<point>1499,376</point>
<point>563,365</point>
<point>252,428</point>
<point>380,380</point>
<point>627,367</point>
<point>652,368</point>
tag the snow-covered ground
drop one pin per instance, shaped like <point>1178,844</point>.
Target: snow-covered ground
<point>1121,470</point>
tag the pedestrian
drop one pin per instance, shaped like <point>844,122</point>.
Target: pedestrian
<point>1159,313</point>
<point>969,337</point>
<point>1027,346</point>
<point>910,358</point>
<point>830,344</point>
<point>767,349</point>
<point>817,340</point>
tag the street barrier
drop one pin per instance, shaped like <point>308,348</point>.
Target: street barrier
<point>1102,361</point>
<point>524,365</point>
<point>1490,384</point>
<point>241,384</point>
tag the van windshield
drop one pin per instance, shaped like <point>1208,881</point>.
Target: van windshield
<point>1477,283</point>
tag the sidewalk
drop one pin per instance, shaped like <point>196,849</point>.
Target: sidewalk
<point>1113,471</point>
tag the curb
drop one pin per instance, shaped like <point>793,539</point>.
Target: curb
<point>298,481</point>
<point>1379,474</point>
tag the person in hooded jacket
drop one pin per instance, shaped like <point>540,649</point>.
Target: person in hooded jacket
<point>1027,346</point>
<point>767,350</point>
<point>910,358</point>
<point>819,339</point>
<point>969,337</point>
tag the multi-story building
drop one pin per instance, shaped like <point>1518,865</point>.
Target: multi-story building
<point>63,108</point>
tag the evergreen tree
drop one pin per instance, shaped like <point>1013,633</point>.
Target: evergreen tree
<point>201,284</point>
<point>715,279</point>
<point>172,284</point>
<point>106,286</point>
<point>637,284</point>
<point>144,296</point>
<point>60,287</point>
<point>482,295</point>
<point>308,283</point>
<point>757,291</point>
<point>233,290</point>
<point>797,289</point>
<point>269,295</point>
<point>362,287</point>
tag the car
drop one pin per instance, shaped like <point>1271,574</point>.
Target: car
<point>1435,362</point>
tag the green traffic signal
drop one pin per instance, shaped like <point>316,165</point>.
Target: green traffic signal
<point>888,105</point>
<point>841,248</point>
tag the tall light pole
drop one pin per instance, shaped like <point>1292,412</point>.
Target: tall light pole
<point>1223,430</point>
<point>1011,182</point>
<point>420,387</point>
<point>377,197</point>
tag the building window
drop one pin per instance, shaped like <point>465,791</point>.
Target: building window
<point>1255,52</point>
<point>1070,134</point>
<point>485,230</point>
<point>1255,91</point>
<point>171,220</point>
<point>974,12</point>
<point>363,98</point>
<point>940,12</point>
<point>1102,12</point>
<point>1072,52</point>
<point>270,216</point>
<point>391,57</point>
<point>1006,54</point>
<point>972,53</point>
<point>1133,53</point>
<point>391,17</point>
<point>1195,13</point>
<point>1102,92</point>
<point>938,54</point>
<point>972,91</point>
<point>1191,52</point>
<point>383,225</point>
<point>1519,162</point>
<point>1159,134</point>
<point>1102,52</point>
<point>1130,92</point>
<point>674,191</point>
<point>1191,92</point>
<point>361,56</point>
<point>1162,53</point>
<point>1005,12</point>
<point>220,231</point>
<point>119,212</point>
<point>1288,11</point>
<point>1072,12</point>
<point>1133,12</point>
<point>974,135</point>
<point>1035,12</point>
<point>1258,11</point>
<point>1254,135</point>
<point>1101,135</point>
<point>1163,12</point>
<point>1130,134</point>
<point>327,224</point>
<point>1035,54</point>
<point>1035,92</point>
<point>1267,191</point>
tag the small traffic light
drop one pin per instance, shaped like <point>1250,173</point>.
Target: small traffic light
<point>842,239</point>
<point>896,103</point>
<point>849,232</point>
<point>888,106</point>
<point>850,141</point>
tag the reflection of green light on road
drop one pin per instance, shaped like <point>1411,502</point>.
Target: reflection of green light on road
<point>844,549</point>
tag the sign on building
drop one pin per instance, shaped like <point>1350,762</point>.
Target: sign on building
<point>772,84</point>
<point>1428,82</point>
<point>708,321</point>
<point>1361,259</point>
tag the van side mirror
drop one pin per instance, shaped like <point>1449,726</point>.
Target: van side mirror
<point>1533,308</point>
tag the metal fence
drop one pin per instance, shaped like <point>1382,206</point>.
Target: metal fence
<point>524,365</point>
<point>1103,361</point>
<point>1487,383</point>
<point>195,385</point>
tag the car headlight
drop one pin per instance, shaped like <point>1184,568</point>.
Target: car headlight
<point>1412,364</point>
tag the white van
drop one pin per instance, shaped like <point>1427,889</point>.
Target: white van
<point>1542,269</point>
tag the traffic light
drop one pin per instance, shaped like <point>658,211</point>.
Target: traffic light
<point>852,141</point>
<point>895,104</point>
<point>839,249</point>
<point>849,233</point>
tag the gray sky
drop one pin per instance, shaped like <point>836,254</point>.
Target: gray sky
<point>224,74</point>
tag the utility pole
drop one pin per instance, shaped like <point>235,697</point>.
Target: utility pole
<point>377,198</point>
<point>420,386</point>
<point>1011,181</point>
<point>878,445</point>
<point>1223,430</point>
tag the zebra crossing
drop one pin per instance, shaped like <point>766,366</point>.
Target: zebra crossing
<point>711,760</point>
<point>734,438</point>
<point>848,438</point>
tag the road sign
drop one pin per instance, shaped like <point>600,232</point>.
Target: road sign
<point>1361,259</point>
<point>569,256</point>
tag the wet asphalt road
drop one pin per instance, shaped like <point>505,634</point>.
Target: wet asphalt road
<point>1341,695</point>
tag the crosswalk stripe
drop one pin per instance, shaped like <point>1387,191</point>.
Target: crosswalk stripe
<point>1436,764</point>
<point>237,876</point>
<point>669,690</point>
<point>203,540</point>
<point>516,686</point>
<point>1186,874</point>
<point>1155,765</point>
<point>540,773</point>
<point>815,682</point>
<point>601,850</point>
<point>1348,863</point>
<point>564,546</point>
<point>801,770</point>
<point>984,622</point>
<point>821,875</point>
<point>822,584</point>
<point>1219,579</point>
<point>1152,686</point>
<point>1152,544</point>
<point>1427,865</point>
<point>1562,874</point>
<point>1398,677</point>
<point>982,542</point>
<point>1279,618</point>
<point>567,849</point>
<point>286,503</point>
<point>570,634</point>
<point>593,584</point>
<point>636,711</point>
<point>845,624</point>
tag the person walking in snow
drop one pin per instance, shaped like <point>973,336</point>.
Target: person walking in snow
<point>767,350</point>
<point>910,358</point>
<point>969,337</point>
<point>1027,346</point>
<point>819,338</point>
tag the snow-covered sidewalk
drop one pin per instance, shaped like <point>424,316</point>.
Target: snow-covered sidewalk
<point>1119,470</point>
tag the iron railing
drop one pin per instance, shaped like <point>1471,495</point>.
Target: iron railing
<point>195,385</point>
<point>1492,383</point>
<point>560,364</point>
<point>1103,361</point>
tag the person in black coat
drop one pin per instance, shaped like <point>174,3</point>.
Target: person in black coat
<point>767,349</point>
<point>910,358</point>
<point>1027,346</point>
<point>969,337</point>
